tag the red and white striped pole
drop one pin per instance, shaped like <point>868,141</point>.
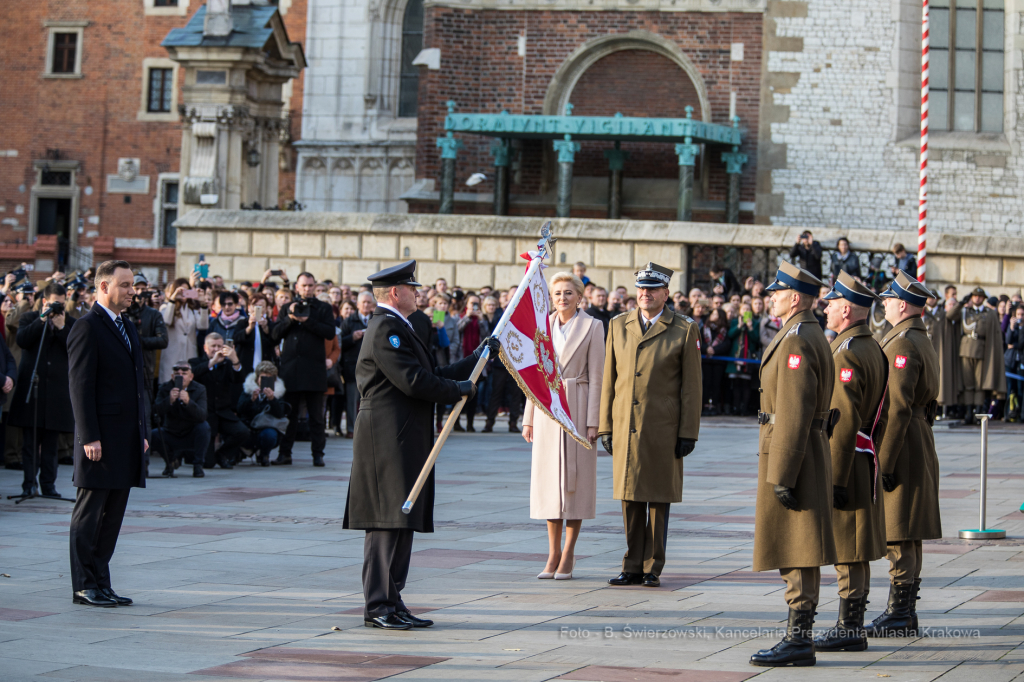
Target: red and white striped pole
<point>922,204</point>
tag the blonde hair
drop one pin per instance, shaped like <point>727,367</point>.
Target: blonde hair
<point>266,368</point>
<point>576,282</point>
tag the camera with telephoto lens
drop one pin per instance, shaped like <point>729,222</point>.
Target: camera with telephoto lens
<point>300,308</point>
<point>19,274</point>
<point>139,301</point>
<point>55,308</point>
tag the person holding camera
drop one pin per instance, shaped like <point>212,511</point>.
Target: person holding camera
<point>219,370</point>
<point>259,406</point>
<point>43,335</point>
<point>185,312</point>
<point>181,404</point>
<point>302,327</point>
<point>152,330</point>
<point>253,341</point>
<point>808,252</point>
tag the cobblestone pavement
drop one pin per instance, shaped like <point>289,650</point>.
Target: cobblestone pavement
<point>247,575</point>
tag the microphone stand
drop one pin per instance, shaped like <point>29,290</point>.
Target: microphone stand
<point>33,394</point>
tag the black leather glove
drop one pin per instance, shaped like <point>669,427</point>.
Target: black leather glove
<point>786,497</point>
<point>491,343</point>
<point>888,482</point>
<point>684,446</point>
<point>467,388</point>
<point>606,441</point>
<point>839,496</point>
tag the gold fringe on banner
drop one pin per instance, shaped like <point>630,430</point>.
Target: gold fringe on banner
<point>529,394</point>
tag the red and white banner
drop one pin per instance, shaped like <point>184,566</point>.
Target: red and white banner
<point>529,354</point>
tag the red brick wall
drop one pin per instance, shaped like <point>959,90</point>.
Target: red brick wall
<point>295,24</point>
<point>93,119</point>
<point>481,71</point>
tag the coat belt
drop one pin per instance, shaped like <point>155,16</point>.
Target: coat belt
<point>769,418</point>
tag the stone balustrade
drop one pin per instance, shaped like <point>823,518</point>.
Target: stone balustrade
<point>471,251</point>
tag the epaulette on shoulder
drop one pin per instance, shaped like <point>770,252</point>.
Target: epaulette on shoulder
<point>620,315</point>
<point>795,330</point>
<point>685,318</point>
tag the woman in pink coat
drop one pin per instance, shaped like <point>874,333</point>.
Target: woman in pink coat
<point>563,480</point>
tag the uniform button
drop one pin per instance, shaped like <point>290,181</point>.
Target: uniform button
<point>632,430</point>
<point>638,373</point>
<point>636,402</point>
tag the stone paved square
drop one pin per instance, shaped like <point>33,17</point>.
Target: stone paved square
<point>247,575</point>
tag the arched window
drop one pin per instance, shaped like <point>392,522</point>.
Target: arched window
<point>412,43</point>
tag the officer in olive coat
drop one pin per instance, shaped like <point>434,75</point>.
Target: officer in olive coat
<point>982,369</point>
<point>793,522</point>
<point>399,385</point>
<point>906,453</point>
<point>858,519</point>
<point>650,410</point>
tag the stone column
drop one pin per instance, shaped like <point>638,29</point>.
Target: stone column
<point>734,161</point>
<point>616,160</point>
<point>566,156</point>
<point>500,152</point>
<point>687,153</point>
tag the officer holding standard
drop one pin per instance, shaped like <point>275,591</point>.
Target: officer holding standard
<point>399,385</point>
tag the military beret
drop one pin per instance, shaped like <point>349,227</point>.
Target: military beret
<point>790,276</point>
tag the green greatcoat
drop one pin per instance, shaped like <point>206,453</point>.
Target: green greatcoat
<point>796,385</point>
<point>860,376</point>
<point>907,447</point>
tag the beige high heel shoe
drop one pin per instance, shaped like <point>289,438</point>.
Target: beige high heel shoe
<point>544,575</point>
<point>567,576</point>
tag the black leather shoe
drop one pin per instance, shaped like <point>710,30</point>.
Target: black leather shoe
<point>92,598</point>
<point>282,460</point>
<point>318,460</point>
<point>28,490</point>
<point>413,620</point>
<point>627,579</point>
<point>168,472</point>
<point>197,471</point>
<point>513,429</point>
<point>110,594</point>
<point>50,492</point>
<point>224,463</point>
<point>651,580</point>
<point>265,461</point>
<point>391,621</point>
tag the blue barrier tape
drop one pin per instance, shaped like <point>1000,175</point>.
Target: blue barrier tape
<point>749,361</point>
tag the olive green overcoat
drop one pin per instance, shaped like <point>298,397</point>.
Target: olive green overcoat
<point>796,386</point>
<point>650,397</point>
<point>860,376</point>
<point>907,448</point>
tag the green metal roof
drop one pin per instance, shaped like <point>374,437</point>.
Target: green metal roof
<point>250,28</point>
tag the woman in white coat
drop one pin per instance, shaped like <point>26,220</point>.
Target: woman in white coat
<point>563,480</point>
<point>183,316</point>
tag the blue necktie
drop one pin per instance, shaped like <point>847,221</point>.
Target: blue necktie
<point>120,328</point>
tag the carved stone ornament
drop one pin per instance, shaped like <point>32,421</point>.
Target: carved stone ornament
<point>127,169</point>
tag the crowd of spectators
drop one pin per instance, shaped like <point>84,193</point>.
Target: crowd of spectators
<point>237,371</point>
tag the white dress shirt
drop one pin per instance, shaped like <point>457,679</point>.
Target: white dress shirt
<point>400,315</point>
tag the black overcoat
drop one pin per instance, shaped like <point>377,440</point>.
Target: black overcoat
<point>303,356</point>
<point>54,398</point>
<point>107,398</point>
<point>350,347</point>
<point>394,433</point>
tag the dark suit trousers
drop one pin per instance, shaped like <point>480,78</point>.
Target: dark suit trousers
<point>504,392</point>
<point>315,407</point>
<point>386,555</point>
<point>45,457</point>
<point>233,435</point>
<point>646,536</point>
<point>95,524</point>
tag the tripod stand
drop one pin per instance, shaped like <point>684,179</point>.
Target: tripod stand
<point>31,466</point>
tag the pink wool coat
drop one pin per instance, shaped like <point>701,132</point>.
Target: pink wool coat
<point>563,480</point>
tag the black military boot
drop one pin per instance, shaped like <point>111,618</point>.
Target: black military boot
<point>896,620</point>
<point>796,648</point>
<point>969,415</point>
<point>915,594</point>
<point>848,632</point>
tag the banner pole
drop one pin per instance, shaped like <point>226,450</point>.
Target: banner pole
<point>922,201</point>
<point>543,246</point>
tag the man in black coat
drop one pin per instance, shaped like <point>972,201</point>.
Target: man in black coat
<point>106,373</point>
<point>152,331</point>
<point>8,372</point>
<point>352,331</point>
<point>725,277</point>
<point>219,370</point>
<point>808,253</point>
<point>185,428</point>
<point>399,385</point>
<point>304,325</point>
<point>48,331</point>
